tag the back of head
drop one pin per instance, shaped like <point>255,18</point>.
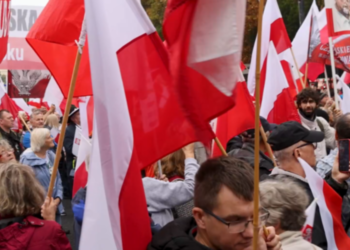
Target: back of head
<point>215,173</point>
<point>173,164</point>
<point>20,192</point>
<point>52,121</point>
<point>286,202</point>
<point>307,93</point>
<point>38,138</point>
<point>342,127</point>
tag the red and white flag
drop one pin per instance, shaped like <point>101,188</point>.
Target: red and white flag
<point>7,103</point>
<point>53,96</point>
<point>330,204</point>
<point>309,223</point>
<point>345,101</point>
<point>277,105</point>
<point>273,29</point>
<point>22,105</point>
<point>337,17</point>
<point>55,134</point>
<point>4,26</point>
<point>204,41</point>
<point>237,120</point>
<point>53,37</point>
<point>135,102</point>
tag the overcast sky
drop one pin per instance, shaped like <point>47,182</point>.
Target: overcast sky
<point>30,2</point>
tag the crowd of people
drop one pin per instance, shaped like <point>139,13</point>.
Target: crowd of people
<point>193,203</point>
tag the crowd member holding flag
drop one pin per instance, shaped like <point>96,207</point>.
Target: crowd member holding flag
<point>6,124</point>
<point>223,212</point>
<point>307,101</point>
<point>286,202</point>
<point>291,141</point>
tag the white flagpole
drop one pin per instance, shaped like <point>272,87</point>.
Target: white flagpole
<point>331,53</point>
<point>327,83</point>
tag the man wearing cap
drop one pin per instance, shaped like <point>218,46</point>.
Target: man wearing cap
<point>307,101</point>
<point>73,121</point>
<point>291,140</point>
<point>246,151</point>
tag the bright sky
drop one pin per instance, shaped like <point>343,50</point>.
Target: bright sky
<point>30,2</point>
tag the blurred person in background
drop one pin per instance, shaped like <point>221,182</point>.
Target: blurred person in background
<point>21,203</point>
<point>36,121</point>
<point>6,152</point>
<point>286,202</point>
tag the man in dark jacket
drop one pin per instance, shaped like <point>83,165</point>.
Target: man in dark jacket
<point>6,123</point>
<point>291,141</point>
<point>223,212</point>
<point>73,121</point>
<point>246,151</point>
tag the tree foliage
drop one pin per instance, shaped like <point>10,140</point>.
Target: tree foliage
<point>155,10</point>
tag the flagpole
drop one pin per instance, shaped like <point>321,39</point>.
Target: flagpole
<point>80,44</point>
<point>306,72</point>
<point>268,147</point>
<point>330,40</point>
<point>327,84</point>
<point>257,129</point>
<point>24,123</point>
<point>218,143</point>
<point>296,65</point>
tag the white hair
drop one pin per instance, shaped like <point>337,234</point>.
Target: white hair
<point>38,138</point>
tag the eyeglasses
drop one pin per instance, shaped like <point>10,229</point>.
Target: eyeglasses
<point>241,225</point>
<point>309,143</point>
<point>10,150</point>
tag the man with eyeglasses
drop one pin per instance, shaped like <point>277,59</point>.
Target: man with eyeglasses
<point>307,101</point>
<point>222,214</point>
<point>291,141</point>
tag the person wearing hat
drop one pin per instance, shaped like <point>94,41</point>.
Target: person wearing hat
<point>246,151</point>
<point>307,101</point>
<point>291,141</point>
<point>73,121</point>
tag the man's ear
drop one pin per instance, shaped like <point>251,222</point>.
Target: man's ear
<point>297,153</point>
<point>200,217</point>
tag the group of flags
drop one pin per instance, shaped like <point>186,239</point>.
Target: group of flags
<point>150,99</point>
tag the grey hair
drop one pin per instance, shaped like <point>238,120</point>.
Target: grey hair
<point>5,144</point>
<point>35,112</point>
<point>287,153</point>
<point>286,201</point>
<point>38,138</point>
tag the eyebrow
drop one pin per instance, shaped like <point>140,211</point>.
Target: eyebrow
<point>234,217</point>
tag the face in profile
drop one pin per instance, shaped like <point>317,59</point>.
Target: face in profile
<point>6,155</point>
<point>49,141</point>
<point>343,7</point>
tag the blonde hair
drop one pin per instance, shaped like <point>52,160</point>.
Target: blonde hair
<point>52,121</point>
<point>173,164</point>
<point>21,194</point>
<point>38,138</point>
<point>5,144</point>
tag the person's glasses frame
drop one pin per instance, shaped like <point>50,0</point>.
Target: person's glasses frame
<point>308,143</point>
<point>264,215</point>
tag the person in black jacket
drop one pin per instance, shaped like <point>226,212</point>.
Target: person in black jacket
<point>6,123</point>
<point>73,121</point>
<point>246,151</point>
<point>223,212</point>
<point>291,141</point>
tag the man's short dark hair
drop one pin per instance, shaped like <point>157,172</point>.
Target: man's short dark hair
<point>343,126</point>
<point>2,112</point>
<point>306,94</point>
<point>215,173</point>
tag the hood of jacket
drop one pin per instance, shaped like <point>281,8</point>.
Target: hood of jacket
<point>294,240</point>
<point>177,235</point>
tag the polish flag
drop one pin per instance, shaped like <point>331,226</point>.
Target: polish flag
<point>55,134</point>
<point>81,169</point>
<point>135,102</point>
<point>237,120</point>
<point>273,30</point>
<point>53,37</point>
<point>53,95</point>
<point>346,77</point>
<point>277,105</point>
<point>345,102</point>
<point>7,103</point>
<point>330,204</point>
<point>22,105</point>
<point>301,43</point>
<point>4,26</point>
<point>205,40</point>
<point>309,223</point>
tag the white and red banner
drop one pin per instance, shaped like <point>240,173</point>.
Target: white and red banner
<point>309,223</point>
<point>77,139</point>
<point>4,26</point>
<point>338,17</point>
<point>330,205</point>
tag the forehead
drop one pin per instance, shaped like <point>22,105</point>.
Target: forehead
<point>6,114</point>
<point>308,99</point>
<point>229,204</point>
<point>37,116</point>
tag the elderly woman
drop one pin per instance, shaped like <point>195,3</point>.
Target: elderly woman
<point>41,159</point>
<point>6,152</point>
<point>286,201</point>
<point>21,201</point>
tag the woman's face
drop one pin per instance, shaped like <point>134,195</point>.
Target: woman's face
<point>7,155</point>
<point>49,142</point>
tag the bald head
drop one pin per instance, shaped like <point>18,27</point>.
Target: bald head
<point>342,127</point>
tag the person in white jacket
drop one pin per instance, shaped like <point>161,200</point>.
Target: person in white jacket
<point>162,196</point>
<point>307,101</point>
<point>286,202</point>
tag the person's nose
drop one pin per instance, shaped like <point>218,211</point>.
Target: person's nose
<point>249,231</point>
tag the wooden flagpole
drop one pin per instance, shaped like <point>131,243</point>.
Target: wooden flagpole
<point>68,104</point>
<point>296,65</point>
<point>269,150</point>
<point>24,123</point>
<point>306,72</point>
<point>257,129</point>
<point>218,143</point>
